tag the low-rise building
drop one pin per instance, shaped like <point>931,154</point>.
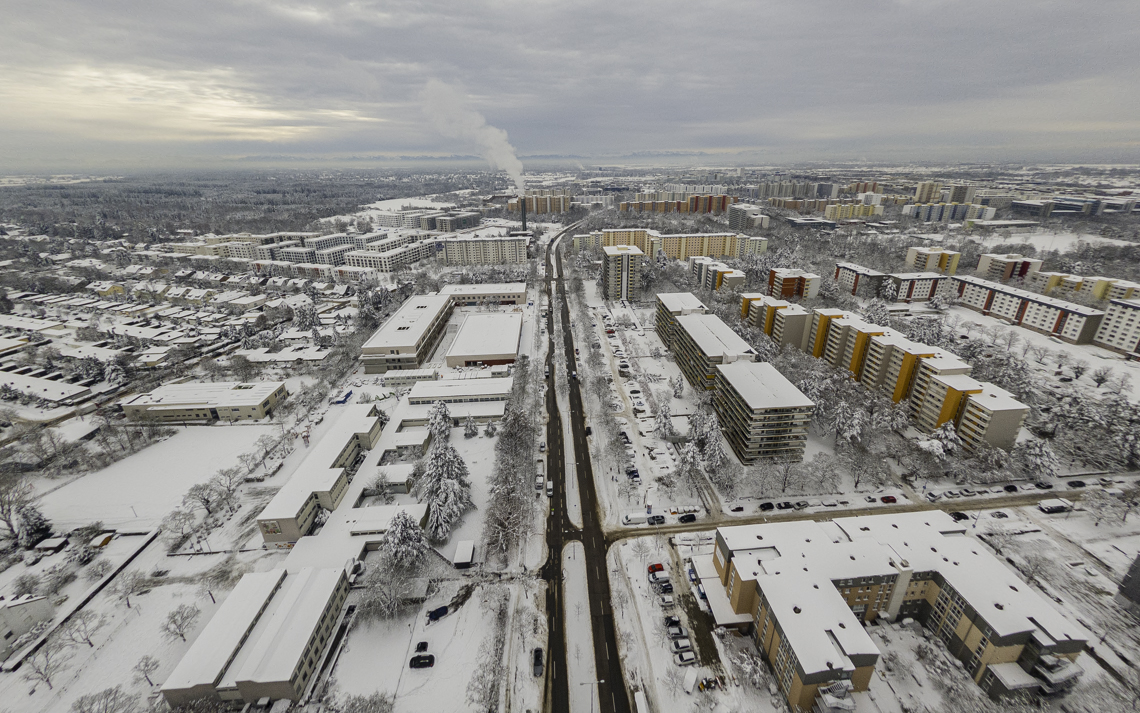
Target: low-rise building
<point>18,616</point>
<point>459,391</point>
<point>501,293</point>
<point>408,338</point>
<point>207,401</point>
<point>486,339</point>
<point>671,305</point>
<point>621,272</point>
<point>763,415</point>
<point>703,341</point>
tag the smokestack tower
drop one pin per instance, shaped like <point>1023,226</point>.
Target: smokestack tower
<point>522,206</point>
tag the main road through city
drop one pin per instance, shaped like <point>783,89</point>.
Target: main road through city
<point>612,696</point>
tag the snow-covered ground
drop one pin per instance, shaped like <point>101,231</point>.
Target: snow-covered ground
<point>580,669</point>
<point>138,491</point>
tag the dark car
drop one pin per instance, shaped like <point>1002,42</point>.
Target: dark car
<point>421,647</point>
<point>538,661</point>
<point>687,517</point>
<point>672,621</point>
<point>959,516</point>
<point>422,661</point>
<point>1010,488</point>
<point>1076,483</point>
<point>589,431</point>
<point>655,519</point>
<point>999,515</point>
<point>889,499</point>
<point>665,588</point>
<point>784,505</point>
<point>1042,485</point>
<point>738,508</point>
<point>767,507</point>
<point>437,614</point>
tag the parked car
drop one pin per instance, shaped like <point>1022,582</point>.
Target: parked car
<point>1106,482</point>
<point>801,504</point>
<point>784,505</point>
<point>950,494</point>
<point>635,391</point>
<point>655,567</point>
<point>679,645</point>
<point>665,600</point>
<point>672,621</point>
<point>1010,488</point>
<point>766,507</point>
<point>889,499</point>
<point>871,499</point>
<point>676,632</point>
<point>422,661</point>
<point>656,519</point>
<point>739,508</point>
<point>959,516</point>
<point>1042,485</point>
<point>538,661</point>
<point>1076,483</point>
<point>658,577</point>
<point>684,659</point>
<point>933,497</point>
<point>665,588</point>
<point>998,514</point>
<point>542,447</point>
<point>421,647</point>
<point>968,492</point>
<point>687,517</point>
<point>589,431</point>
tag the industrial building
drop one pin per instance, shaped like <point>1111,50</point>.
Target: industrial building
<point>488,293</point>
<point>671,305</point>
<point>803,590</point>
<point>207,401</point>
<point>486,339</point>
<point>266,641</point>
<point>408,338</point>
<point>621,272</point>
<point>762,414</point>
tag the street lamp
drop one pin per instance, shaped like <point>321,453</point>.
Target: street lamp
<point>592,683</point>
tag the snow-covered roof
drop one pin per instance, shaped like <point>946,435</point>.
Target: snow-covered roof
<point>408,325</point>
<point>490,334</point>
<point>761,386</point>
<point>217,394</point>
<point>205,662</point>
<point>680,302</point>
<point>486,288</point>
<point>460,390</point>
<point>712,336</point>
<point>1030,296</point>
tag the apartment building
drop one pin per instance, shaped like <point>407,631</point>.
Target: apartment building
<point>674,247</point>
<point>484,250</point>
<point>923,259</point>
<point>703,341</point>
<point>452,222</point>
<point>762,414</point>
<point>925,371</point>
<point>946,212</point>
<point>1069,321</point>
<point>890,364</point>
<point>621,272</point>
<point>1045,282</point>
<point>321,479</point>
<point>671,305</point>
<point>538,205</point>
<point>501,293</point>
<point>759,310</point>
<point>712,275</point>
<point>927,191</point>
<point>744,216</point>
<point>1003,268</point>
<point>1108,288</point>
<point>786,282</point>
<point>408,338</point>
<point>213,401</point>
<point>858,280</point>
<point>1119,330</point>
<point>803,590</point>
<point>992,416</point>
<point>917,286</point>
<point>789,325</point>
<point>849,211</point>
<point>848,339</point>
<point>815,340</point>
<point>266,641</point>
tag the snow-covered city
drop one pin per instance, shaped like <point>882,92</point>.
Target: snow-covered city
<point>372,357</point>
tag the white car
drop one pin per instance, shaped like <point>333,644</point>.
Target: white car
<point>679,645</point>
<point>677,632</point>
<point>687,658</point>
<point>665,600</point>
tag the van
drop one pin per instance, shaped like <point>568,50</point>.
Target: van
<point>633,518</point>
<point>1055,505</point>
<point>550,488</point>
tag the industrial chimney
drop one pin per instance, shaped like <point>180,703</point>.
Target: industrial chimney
<point>522,207</point>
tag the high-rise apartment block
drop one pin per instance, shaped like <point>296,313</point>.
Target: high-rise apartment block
<point>946,212</point>
<point>916,286</point>
<point>701,342</point>
<point>958,194</point>
<point>788,282</point>
<point>1120,328</point>
<point>927,191</point>
<point>783,321</point>
<point>1003,268</point>
<point>621,272</point>
<point>858,280</point>
<point>671,305</point>
<point>933,260</point>
<point>745,216</point>
<point>674,247</point>
<point>848,211</point>
<point>712,275</point>
<point>763,415</point>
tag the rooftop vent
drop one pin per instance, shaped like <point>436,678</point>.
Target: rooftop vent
<point>797,610</point>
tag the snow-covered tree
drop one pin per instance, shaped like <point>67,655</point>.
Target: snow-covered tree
<point>1036,458</point>
<point>876,312</point>
<point>690,468</point>
<point>439,423</point>
<point>663,422</point>
<point>404,546</point>
<point>146,666</point>
<point>470,430</point>
<point>446,506</point>
<point>14,495</point>
<point>1100,506</point>
<point>372,703</point>
<point>678,384</point>
<point>109,700</point>
<point>82,625</point>
<point>31,526</point>
<point>180,621</point>
<point>46,663</point>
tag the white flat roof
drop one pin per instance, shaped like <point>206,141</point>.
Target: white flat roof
<point>762,386</point>
<point>278,641</point>
<point>615,250</point>
<point>713,336</point>
<point>207,394</point>
<point>408,325</point>
<point>205,662</point>
<point>427,392</point>
<point>486,288</point>
<point>680,301</point>
<point>492,334</point>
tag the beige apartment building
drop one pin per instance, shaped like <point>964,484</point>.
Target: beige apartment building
<point>408,338</point>
<point>815,340</point>
<point>671,305</point>
<point>762,414</point>
<point>848,340</point>
<point>675,247</point>
<point>803,591</point>
<point>621,272</point>
<point>922,259</point>
<point>1120,328</point>
<point>785,283</point>
<point>1003,268</point>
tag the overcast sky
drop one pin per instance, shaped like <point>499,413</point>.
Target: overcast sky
<point>116,84</point>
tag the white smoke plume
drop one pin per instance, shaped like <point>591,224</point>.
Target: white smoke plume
<point>447,109</point>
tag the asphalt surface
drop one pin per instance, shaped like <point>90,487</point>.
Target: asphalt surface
<point>612,695</point>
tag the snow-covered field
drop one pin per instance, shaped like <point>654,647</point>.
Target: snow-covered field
<point>138,491</point>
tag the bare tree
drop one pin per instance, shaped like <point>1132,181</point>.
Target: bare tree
<point>641,549</point>
<point>1078,367</point>
<point>1101,375</point>
<point>81,627</point>
<point>373,703</point>
<point>14,495</point>
<point>109,700</point>
<point>145,667</point>
<point>180,621</point>
<point>46,663</point>
<point>129,584</point>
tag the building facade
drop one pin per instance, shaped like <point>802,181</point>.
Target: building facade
<point>944,262</point>
<point>408,338</point>
<point>621,272</point>
<point>671,305</point>
<point>762,414</point>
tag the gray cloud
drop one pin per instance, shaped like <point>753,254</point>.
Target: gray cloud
<point>137,83</point>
